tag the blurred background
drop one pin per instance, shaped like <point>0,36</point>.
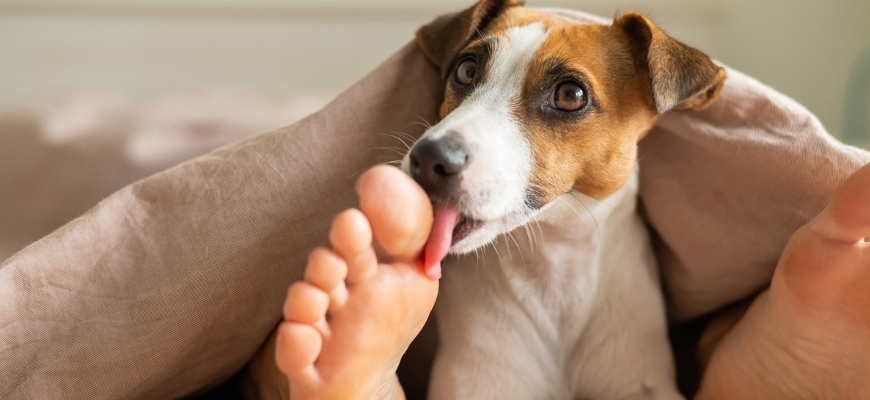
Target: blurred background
<point>95,94</point>
<point>142,49</point>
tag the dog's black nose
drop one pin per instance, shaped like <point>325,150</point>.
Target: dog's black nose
<point>436,163</point>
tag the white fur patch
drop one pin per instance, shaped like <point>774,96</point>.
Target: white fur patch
<point>496,181</point>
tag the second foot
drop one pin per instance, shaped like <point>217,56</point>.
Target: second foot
<point>808,335</point>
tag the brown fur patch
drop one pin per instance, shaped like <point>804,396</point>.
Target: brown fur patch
<point>441,39</point>
<point>594,150</point>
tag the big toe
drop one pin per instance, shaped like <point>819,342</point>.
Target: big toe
<point>824,262</point>
<point>847,217</point>
<point>398,210</point>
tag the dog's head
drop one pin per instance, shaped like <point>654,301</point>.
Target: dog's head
<point>535,106</point>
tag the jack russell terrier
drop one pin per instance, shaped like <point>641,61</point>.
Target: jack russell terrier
<point>539,129</point>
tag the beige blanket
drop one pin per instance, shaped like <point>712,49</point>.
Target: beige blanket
<point>171,284</point>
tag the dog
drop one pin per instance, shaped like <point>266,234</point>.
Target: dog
<point>533,167</point>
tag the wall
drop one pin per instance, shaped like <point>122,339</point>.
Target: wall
<point>145,48</point>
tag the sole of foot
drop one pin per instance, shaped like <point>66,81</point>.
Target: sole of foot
<point>348,323</point>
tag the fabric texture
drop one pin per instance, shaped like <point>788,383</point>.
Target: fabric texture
<point>725,187</point>
<point>171,284</point>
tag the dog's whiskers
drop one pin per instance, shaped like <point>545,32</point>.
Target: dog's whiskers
<point>424,122</point>
<point>541,231</point>
<point>530,236</point>
<point>579,216</point>
<point>597,228</point>
<point>615,208</point>
<point>519,249</point>
<point>494,248</point>
<point>397,150</point>
<point>406,135</point>
<point>402,139</point>
<point>507,246</point>
<point>477,261</point>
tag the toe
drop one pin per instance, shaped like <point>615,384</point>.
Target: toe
<point>824,262</point>
<point>296,350</point>
<point>305,303</point>
<point>399,211</point>
<point>847,218</point>
<point>327,270</point>
<point>351,236</point>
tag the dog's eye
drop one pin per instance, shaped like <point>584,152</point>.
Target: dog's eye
<point>466,71</point>
<point>569,96</point>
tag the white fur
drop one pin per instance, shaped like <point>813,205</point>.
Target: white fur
<point>497,178</point>
<point>566,307</point>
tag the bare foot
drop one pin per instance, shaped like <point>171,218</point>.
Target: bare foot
<point>348,323</point>
<point>808,336</point>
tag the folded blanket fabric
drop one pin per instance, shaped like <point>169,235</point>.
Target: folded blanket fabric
<point>172,283</point>
<point>724,189</point>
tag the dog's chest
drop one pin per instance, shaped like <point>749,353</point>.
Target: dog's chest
<point>551,270</point>
<point>552,266</point>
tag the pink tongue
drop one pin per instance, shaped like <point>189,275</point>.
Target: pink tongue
<point>446,218</point>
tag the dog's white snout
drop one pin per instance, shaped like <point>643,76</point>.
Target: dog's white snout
<point>437,164</point>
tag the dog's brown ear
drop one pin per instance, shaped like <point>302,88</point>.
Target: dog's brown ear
<point>442,38</point>
<point>680,76</point>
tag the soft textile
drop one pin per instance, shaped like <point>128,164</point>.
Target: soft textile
<point>171,284</point>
